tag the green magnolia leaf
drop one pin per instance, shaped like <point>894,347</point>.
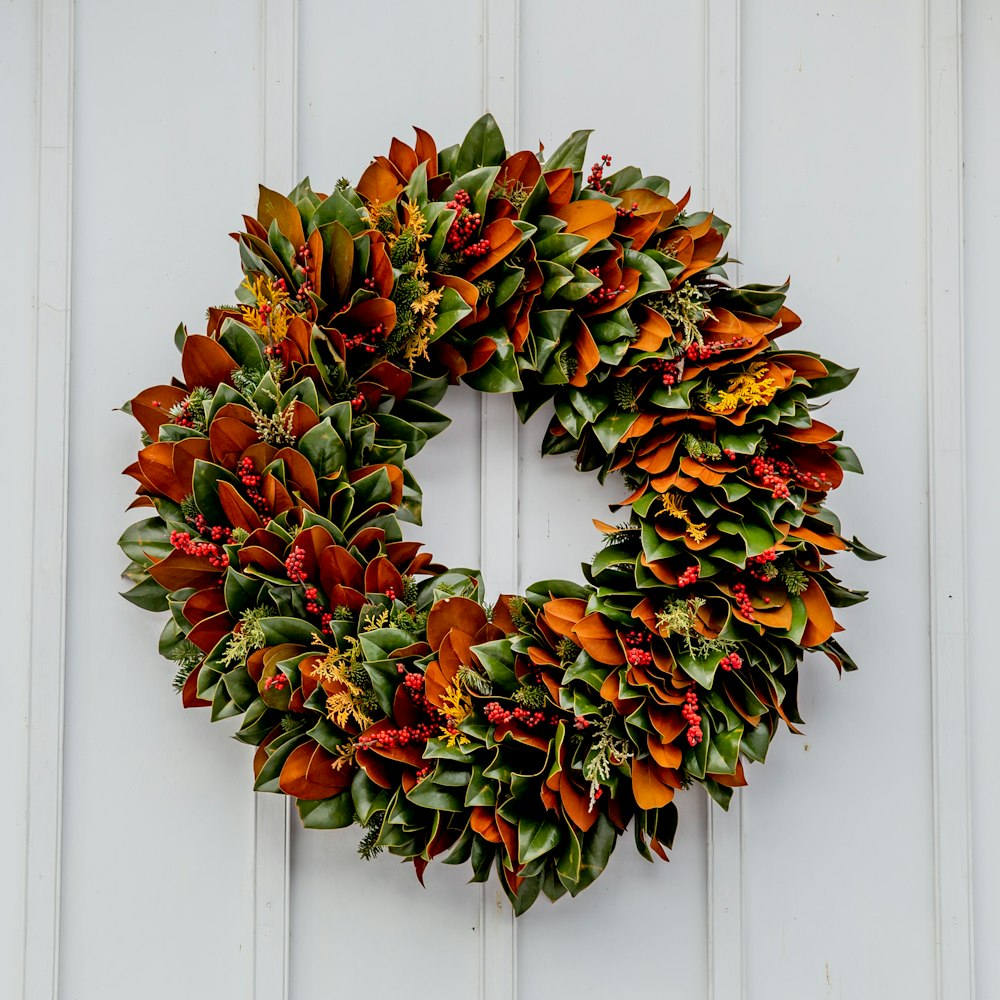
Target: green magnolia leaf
<point>147,541</point>
<point>863,552</point>
<point>205,484</point>
<point>571,153</point>
<point>148,595</point>
<point>336,208</point>
<point>609,429</point>
<point>497,660</point>
<point>724,751</point>
<point>278,630</point>
<point>598,843</point>
<point>324,449</point>
<point>482,146</point>
<point>499,374</point>
<point>536,837</point>
<point>241,592</point>
<point>431,795</point>
<point>451,310</point>
<point>327,814</point>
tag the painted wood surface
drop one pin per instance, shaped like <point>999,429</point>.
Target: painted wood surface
<point>834,133</point>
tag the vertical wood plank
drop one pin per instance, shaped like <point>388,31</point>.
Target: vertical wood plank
<point>499,464</point>
<point>946,448</point>
<point>981,197</point>
<point>722,188</point>
<point>271,812</point>
<point>50,481</point>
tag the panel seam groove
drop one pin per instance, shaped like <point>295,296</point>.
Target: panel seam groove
<point>50,483</point>
<point>948,611</point>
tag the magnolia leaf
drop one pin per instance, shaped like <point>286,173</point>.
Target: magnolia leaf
<point>570,153</point>
<point>483,145</point>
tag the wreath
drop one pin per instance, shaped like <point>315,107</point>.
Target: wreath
<point>377,686</point>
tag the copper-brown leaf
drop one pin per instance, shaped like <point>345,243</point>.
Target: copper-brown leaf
<point>309,773</point>
<point>380,183</point>
<point>820,624</point>
<point>275,207</point>
<point>454,612</point>
<point>648,784</point>
<point>592,219</point>
<point>595,636</point>
<point>206,362</point>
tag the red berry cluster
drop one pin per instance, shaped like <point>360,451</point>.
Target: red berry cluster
<point>304,256</point>
<point>478,249</point>
<point>497,714</point>
<point>729,453</point>
<point>670,369</point>
<point>251,480</point>
<point>184,418</point>
<point>743,601</point>
<point>637,648</point>
<point>360,339</point>
<point>731,661</point>
<point>391,738</point>
<point>357,402</point>
<point>183,542</point>
<point>596,181</point>
<point>627,213</point>
<point>464,228</point>
<point>689,576</point>
<point>773,473</point>
<point>414,684</point>
<point>217,533</point>
<point>295,568</point>
<point>312,601</point>
<point>689,710</point>
<point>277,683</point>
<point>294,565</point>
<point>423,772</point>
<point>639,657</point>
<point>604,293</point>
<point>460,203</point>
<point>390,592</point>
<point>709,349</point>
<point>811,481</point>
<point>755,564</point>
<point>579,722</point>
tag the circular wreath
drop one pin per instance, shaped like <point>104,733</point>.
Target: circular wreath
<point>376,684</point>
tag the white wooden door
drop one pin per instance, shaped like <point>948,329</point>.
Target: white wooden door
<point>833,135</point>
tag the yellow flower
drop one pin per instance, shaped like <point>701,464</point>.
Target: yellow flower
<point>335,667</point>
<point>753,388</point>
<point>457,706</point>
<point>674,506</point>
<point>270,317</point>
<point>415,221</point>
